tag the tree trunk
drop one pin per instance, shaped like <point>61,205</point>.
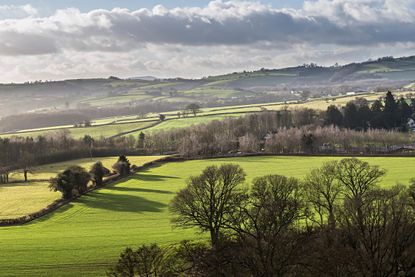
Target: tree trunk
<point>213,237</point>
<point>25,175</point>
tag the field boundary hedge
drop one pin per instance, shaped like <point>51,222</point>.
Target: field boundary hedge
<point>62,202</point>
<point>135,169</point>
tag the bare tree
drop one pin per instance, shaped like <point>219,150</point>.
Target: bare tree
<point>358,176</point>
<point>209,199</point>
<point>193,108</point>
<point>27,162</point>
<point>381,233</point>
<point>265,225</point>
<point>322,191</point>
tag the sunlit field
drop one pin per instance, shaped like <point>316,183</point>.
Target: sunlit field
<point>118,125</point>
<point>20,199</point>
<point>85,237</point>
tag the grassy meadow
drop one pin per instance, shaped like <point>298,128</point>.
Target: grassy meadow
<point>85,237</point>
<point>14,197</point>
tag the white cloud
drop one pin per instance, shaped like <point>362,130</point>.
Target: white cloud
<point>362,11</point>
<point>11,11</point>
<point>195,41</point>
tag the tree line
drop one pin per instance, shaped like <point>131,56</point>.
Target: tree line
<point>74,180</point>
<point>338,221</point>
<point>298,131</point>
<point>389,114</point>
<point>24,154</point>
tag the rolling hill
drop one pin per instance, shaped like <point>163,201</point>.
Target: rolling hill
<point>95,98</point>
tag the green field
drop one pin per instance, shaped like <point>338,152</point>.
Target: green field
<point>15,196</point>
<point>110,126</point>
<point>189,121</point>
<point>94,131</point>
<point>85,237</point>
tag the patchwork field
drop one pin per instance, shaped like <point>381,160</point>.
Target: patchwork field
<point>111,126</point>
<point>85,237</point>
<point>20,199</point>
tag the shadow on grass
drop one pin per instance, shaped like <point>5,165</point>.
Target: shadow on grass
<point>118,188</point>
<point>14,183</point>
<point>121,203</point>
<point>151,177</point>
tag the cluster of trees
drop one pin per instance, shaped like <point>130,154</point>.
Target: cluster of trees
<point>358,128</point>
<point>336,222</point>
<point>297,131</point>
<point>331,139</point>
<point>75,179</point>
<point>20,153</point>
<point>358,115</point>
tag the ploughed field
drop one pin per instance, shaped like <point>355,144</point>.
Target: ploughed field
<point>85,237</point>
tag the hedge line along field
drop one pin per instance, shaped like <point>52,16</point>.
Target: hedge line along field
<point>85,237</point>
<point>111,126</point>
<point>94,131</point>
<point>20,199</point>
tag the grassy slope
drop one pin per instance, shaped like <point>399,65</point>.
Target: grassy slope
<point>14,197</point>
<point>187,122</point>
<point>95,131</point>
<point>83,238</point>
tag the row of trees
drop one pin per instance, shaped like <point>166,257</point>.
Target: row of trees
<point>260,133</point>
<point>75,179</point>
<point>297,131</point>
<point>24,154</point>
<point>285,131</point>
<point>336,222</point>
<point>381,114</point>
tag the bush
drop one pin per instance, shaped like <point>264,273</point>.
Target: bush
<point>122,166</point>
<point>98,171</point>
<point>145,261</point>
<point>70,182</point>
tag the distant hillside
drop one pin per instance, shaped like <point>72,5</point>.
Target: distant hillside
<point>264,85</point>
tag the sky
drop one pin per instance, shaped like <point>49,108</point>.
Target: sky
<point>53,40</point>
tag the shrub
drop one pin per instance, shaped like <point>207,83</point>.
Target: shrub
<point>122,166</point>
<point>73,180</point>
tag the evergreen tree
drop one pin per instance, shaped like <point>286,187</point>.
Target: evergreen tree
<point>405,110</point>
<point>333,116</point>
<point>365,116</point>
<point>377,115</point>
<point>351,116</point>
<point>390,112</point>
<point>413,107</point>
<point>141,140</point>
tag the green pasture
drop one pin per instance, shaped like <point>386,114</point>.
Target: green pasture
<point>19,199</point>
<point>189,121</point>
<point>94,131</point>
<point>85,237</point>
<point>111,126</point>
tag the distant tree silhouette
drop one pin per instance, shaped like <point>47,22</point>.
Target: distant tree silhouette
<point>333,116</point>
<point>193,108</point>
